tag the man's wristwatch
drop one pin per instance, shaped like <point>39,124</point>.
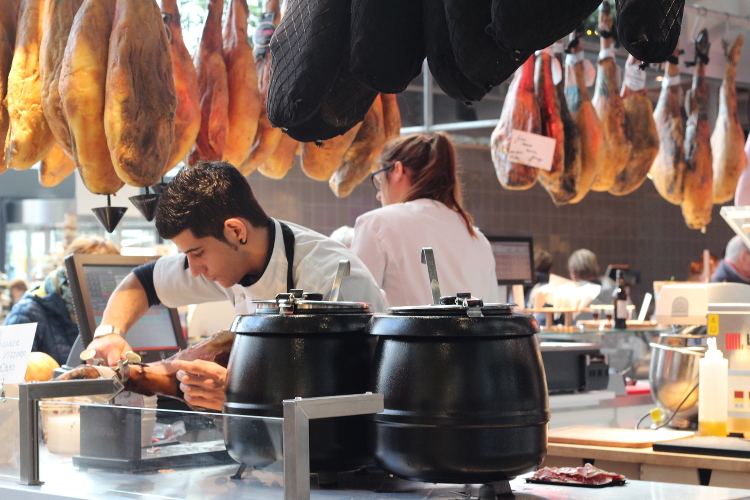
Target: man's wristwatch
<point>107,330</point>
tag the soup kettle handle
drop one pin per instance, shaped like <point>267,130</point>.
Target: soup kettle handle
<point>343,270</point>
<point>428,257</point>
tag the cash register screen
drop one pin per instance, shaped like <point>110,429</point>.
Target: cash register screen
<point>93,278</point>
<point>514,259</point>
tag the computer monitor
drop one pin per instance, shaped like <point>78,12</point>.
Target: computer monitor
<point>514,259</point>
<point>93,278</point>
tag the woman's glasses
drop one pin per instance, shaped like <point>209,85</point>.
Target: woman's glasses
<point>375,176</point>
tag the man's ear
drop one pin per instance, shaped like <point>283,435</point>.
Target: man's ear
<point>234,230</point>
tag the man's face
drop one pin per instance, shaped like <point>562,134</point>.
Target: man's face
<point>215,260</point>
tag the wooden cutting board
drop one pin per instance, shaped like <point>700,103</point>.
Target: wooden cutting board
<point>619,438</point>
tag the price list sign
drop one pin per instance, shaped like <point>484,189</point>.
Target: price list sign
<point>15,348</point>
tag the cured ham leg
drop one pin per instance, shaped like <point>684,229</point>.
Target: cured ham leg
<point>8,20</point>
<point>520,112</point>
<point>668,168</point>
<point>584,115</point>
<point>29,137</point>
<point>282,160</point>
<point>187,119</point>
<point>242,81</point>
<point>319,162</point>
<point>213,90</point>
<point>82,90</point>
<point>698,196</point>
<point>641,131</point>
<point>55,167</point>
<point>610,108</point>
<point>727,139</point>
<point>561,181</point>
<point>159,378</point>
<point>742,194</point>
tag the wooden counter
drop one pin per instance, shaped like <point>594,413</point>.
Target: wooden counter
<point>648,465</point>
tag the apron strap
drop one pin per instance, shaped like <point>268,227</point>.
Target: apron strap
<point>288,236</point>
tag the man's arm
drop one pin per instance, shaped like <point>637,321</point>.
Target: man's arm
<point>126,306</point>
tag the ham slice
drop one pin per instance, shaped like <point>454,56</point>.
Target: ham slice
<point>584,116</point>
<point>668,168</point>
<point>698,195</point>
<point>362,155</point>
<point>267,137</point>
<point>29,137</point>
<point>8,20</point>
<point>82,91</point>
<point>58,19</point>
<point>641,131</point>
<point>242,80</point>
<point>213,90</point>
<point>55,167</point>
<point>561,181</point>
<point>187,119</point>
<point>588,474</point>
<point>520,112</point>
<point>727,139</point>
<point>610,109</point>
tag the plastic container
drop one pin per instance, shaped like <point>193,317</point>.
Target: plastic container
<point>713,392</point>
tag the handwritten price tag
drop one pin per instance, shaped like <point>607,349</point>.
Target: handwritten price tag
<point>15,348</point>
<point>531,149</point>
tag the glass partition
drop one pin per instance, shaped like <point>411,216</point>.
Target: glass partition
<point>9,443</point>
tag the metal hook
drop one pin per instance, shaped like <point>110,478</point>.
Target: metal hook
<point>698,23</point>
<point>341,272</point>
<point>428,257</point>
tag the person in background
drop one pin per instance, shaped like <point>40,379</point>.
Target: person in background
<point>50,305</point>
<point>17,287</point>
<point>735,267</point>
<point>344,235</point>
<point>417,184</point>
<point>543,268</point>
<point>584,268</point>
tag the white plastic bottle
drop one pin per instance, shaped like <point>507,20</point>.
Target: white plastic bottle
<point>713,392</point>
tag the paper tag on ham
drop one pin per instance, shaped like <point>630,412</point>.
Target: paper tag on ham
<point>533,150</point>
<point>635,79</point>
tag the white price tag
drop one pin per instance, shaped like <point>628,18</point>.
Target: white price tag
<point>15,348</point>
<point>533,150</point>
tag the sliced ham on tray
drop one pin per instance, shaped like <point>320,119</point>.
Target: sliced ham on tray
<point>588,474</point>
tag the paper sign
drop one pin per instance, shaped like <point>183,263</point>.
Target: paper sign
<point>15,348</point>
<point>531,149</point>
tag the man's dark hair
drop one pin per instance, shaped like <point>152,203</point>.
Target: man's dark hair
<point>202,197</point>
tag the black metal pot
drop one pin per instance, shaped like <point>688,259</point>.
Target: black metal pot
<point>465,392</point>
<point>298,346</point>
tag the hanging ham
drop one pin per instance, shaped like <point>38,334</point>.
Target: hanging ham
<point>610,108</point>
<point>520,112</point>
<point>320,161</point>
<point>641,130</point>
<point>362,155</point>
<point>242,80</point>
<point>187,119</point>
<point>55,167</point>
<point>584,115</point>
<point>267,137</point>
<point>698,195</point>
<point>213,90</point>
<point>282,160</point>
<point>140,101</point>
<point>82,91</point>
<point>561,181</point>
<point>728,138</point>
<point>58,19</point>
<point>742,194</point>
<point>8,20</point>
<point>668,169</point>
<point>29,137</point>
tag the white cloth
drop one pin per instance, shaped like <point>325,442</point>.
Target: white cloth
<point>316,259</point>
<point>389,241</point>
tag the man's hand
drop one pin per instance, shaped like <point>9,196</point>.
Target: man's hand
<point>203,382</point>
<point>112,347</point>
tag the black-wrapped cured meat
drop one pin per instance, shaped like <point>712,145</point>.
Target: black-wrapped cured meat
<point>649,29</point>
<point>387,43</point>
<point>307,51</point>
<point>532,25</point>
<point>477,54</point>
<point>440,57</point>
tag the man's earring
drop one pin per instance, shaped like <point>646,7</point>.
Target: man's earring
<point>242,242</point>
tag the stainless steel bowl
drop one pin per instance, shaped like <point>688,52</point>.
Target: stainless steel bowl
<point>673,374</point>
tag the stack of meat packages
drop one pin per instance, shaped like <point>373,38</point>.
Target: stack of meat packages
<point>614,140</point>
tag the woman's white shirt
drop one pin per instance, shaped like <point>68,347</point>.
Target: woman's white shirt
<point>389,241</point>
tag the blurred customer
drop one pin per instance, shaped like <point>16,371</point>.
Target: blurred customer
<point>417,184</point>
<point>17,287</point>
<point>735,267</point>
<point>50,305</point>
<point>584,269</point>
<point>344,235</point>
